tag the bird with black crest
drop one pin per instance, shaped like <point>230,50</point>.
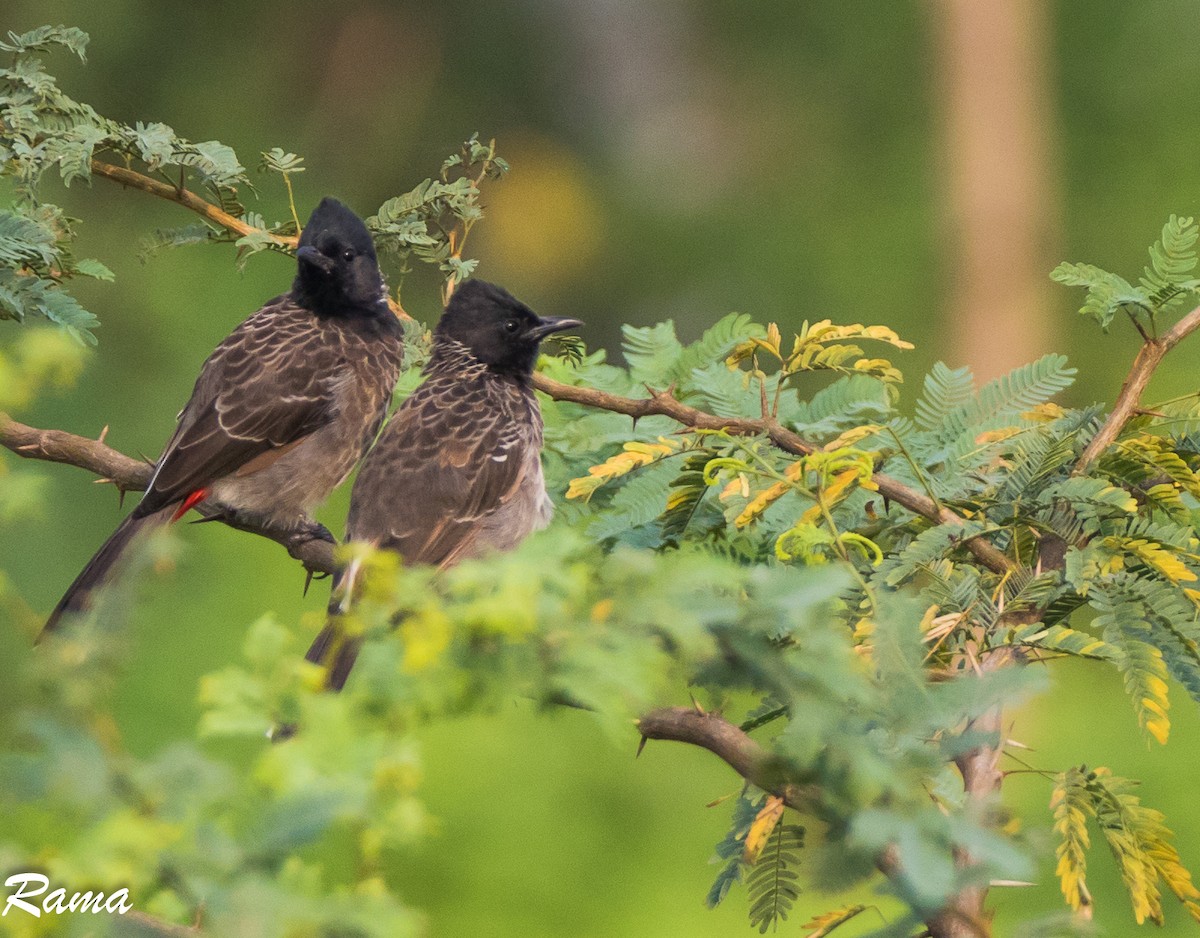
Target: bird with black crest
<point>457,472</point>
<point>282,409</point>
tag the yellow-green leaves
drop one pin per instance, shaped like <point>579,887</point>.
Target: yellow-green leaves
<point>818,347</point>
<point>753,484</point>
<point>1137,836</point>
<point>1071,803</point>
<point>823,925</point>
<point>762,828</point>
<point>634,455</point>
<point>1154,555</point>
<point>1145,674</point>
<point>1158,456</point>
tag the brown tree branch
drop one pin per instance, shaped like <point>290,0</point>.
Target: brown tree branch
<point>730,744</point>
<point>1149,356</point>
<point>754,763</point>
<point>132,475</point>
<point>664,403</point>
<point>180,196</point>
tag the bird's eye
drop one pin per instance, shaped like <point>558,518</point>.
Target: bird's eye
<point>347,255</point>
<point>511,325</point>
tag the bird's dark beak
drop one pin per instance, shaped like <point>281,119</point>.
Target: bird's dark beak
<point>550,324</point>
<point>311,256</point>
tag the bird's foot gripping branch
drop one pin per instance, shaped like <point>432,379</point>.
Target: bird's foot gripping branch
<point>850,585</point>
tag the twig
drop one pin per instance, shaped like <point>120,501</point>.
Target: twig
<point>1148,357</point>
<point>210,212</point>
<point>181,196</point>
<point>730,744</point>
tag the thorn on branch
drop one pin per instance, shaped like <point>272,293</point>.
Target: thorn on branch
<point>641,745</point>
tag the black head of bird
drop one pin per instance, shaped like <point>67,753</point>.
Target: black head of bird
<point>497,328</point>
<point>338,272</point>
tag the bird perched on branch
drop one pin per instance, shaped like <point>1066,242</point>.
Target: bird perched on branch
<point>457,471</point>
<point>283,408</point>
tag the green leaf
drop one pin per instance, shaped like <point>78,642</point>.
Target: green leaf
<point>946,390</point>
<point>1059,638</point>
<point>46,37</point>
<point>276,160</point>
<point>1106,293</point>
<point>1172,259</point>
<point>651,351</point>
<point>732,846</point>
<point>772,886</point>
<point>714,344</point>
<point>90,267</point>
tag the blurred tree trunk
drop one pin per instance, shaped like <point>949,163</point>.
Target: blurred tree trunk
<point>1001,200</point>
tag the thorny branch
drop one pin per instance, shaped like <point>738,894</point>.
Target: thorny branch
<point>184,197</point>
<point>1152,352</point>
<point>132,475</point>
<point>754,763</point>
<point>730,744</point>
<point>665,403</point>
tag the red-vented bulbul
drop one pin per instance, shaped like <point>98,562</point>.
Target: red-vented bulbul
<point>284,407</point>
<point>457,471</point>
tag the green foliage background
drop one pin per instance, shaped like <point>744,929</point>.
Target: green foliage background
<point>830,209</point>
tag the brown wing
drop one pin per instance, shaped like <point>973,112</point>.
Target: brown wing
<point>454,452</point>
<point>271,383</point>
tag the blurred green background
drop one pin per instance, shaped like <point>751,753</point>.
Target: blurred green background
<point>789,160</point>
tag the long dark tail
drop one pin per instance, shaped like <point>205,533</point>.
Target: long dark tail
<point>336,652</point>
<point>81,594</point>
<point>333,649</point>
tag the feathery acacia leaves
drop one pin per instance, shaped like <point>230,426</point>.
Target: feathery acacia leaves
<point>1071,802</point>
<point>635,455</point>
<point>1172,259</point>
<point>44,129</point>
<point>1106,293</point>
<point>772,884</point>
<point>1137,836</point>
